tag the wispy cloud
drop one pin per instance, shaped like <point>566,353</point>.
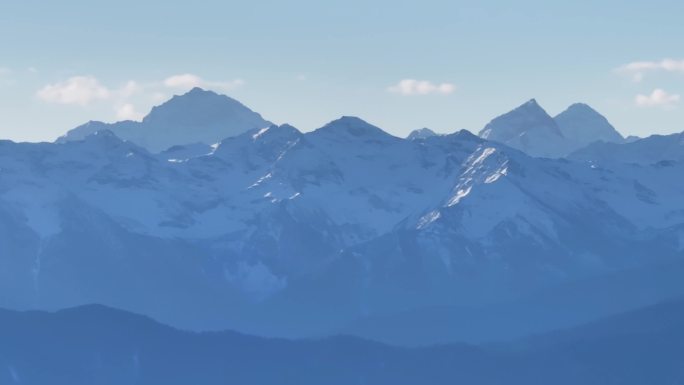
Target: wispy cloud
<point>80,90</point>
<point>637,70</point>
<point>188,81</point>
<point>409,87</point>
<point>127,111</point>
<point>657,98</point>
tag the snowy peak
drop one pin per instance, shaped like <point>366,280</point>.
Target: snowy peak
<point>582,125</point>
<point>421,133</point>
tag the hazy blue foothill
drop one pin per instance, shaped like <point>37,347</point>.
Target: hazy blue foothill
<point>95,344</point>
<point>549,248</point>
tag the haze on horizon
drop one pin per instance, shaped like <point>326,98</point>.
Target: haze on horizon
<point>442,65</point>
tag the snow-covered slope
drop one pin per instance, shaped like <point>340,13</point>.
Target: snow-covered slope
<point>198,116</point>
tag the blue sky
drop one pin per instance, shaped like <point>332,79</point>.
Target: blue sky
<point>309,62</point>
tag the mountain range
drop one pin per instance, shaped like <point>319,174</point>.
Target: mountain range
<point>205,216</point>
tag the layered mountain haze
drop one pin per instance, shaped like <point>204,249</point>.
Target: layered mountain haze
<point>530,129</point>
<point>663,149</point>
<point>198,116</point>
<point>277,232</point>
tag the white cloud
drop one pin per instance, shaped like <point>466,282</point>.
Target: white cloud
<point>127,112</point>
<point>657,98</point>
<point>183,81</point>
<point>187,81</point>
<point>5,71</point>
<point>421,87</point>
<point>637,70</point>
<point>129,89</point>
<point>80,90</point>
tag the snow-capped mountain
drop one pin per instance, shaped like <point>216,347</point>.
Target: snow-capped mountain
<point>279,232</point>
<point>530,129</point>
<point>198,116</point>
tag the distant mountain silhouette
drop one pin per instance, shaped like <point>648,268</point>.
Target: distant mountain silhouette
<point>97,345</point>
<point>198,116</point>
<point>530,129</point>
<point>581,125</point>
<point>654,149</point>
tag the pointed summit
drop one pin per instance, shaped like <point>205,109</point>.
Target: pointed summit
<point>532,103</point>
<point>582,125</point>
<point>528,128</point>
<point>526,117</point>
<point>198,116</point>
<point>350,128</point>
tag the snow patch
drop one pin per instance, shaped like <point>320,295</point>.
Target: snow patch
<point>483,156</point>
<point>460,194</point>
<point>428,218</point>
<point>261,180</point>
<point>497,174</point>
<point>259,133</point>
